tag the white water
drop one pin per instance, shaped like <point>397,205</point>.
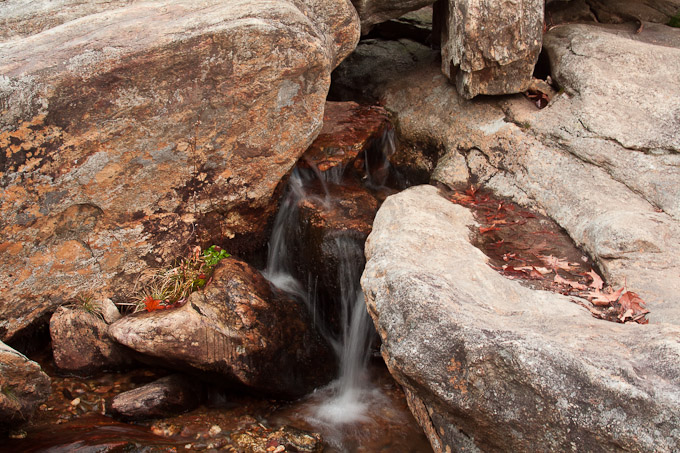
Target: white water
<point>344,400</point>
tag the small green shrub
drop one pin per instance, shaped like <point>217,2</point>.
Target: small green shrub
<point>171,286</point>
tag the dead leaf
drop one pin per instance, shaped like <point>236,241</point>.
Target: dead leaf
<point>597,282</point>
<point>603,299</point>
<point>563,281</point>
<point>556,263</point>
<point>632,306</point>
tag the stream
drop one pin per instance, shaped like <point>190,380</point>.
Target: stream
<point>362,410</point>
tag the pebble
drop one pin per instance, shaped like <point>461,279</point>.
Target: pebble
<point>75,402</point>
<point>214,430</point>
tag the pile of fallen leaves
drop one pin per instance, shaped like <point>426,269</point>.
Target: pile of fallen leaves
<point>531,247</point>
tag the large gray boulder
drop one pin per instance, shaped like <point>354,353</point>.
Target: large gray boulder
<point>23,386</point>
<point>490,365</point>
<point>601,159</point>
<point>132,130</point>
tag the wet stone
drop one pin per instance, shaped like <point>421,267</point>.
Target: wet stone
<point>348,130</point>
<point>166,396</point>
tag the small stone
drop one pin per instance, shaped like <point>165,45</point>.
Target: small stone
<point>279,449</point>
<point>75,402</point>
<point>19,434</point>
<point>214,430</point>
<point>188,446</point>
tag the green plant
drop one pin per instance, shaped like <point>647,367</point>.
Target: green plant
<point>675,20</point>
<point>86,302</point>
<point>171,286</point>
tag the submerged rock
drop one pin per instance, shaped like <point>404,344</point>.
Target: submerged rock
<point>162,398</point>
<point>492,365</point>
<point>132,132</point>
<point>23,386</point>
<point>239,331</point>
<point>490,47</point>
<point>80,340</point>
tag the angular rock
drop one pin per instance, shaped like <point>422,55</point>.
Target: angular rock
<point>130,134</point>
<point>491,365</point>
<point>81,343</point>
<point>238,330</point>
<point>167,396</point>
<point>490,46</point>
<point>23,387</point>
<point>373,12</point>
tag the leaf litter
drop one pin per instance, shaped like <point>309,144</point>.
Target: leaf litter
<point>533,249</point>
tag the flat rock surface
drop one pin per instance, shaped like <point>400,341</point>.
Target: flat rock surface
<point>497,366</point>
<point>134,130</point>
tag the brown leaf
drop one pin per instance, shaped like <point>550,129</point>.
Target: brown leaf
<point>483,230</point>
<point>556,263</point>
<point>563,281</point>
<point>603,299</point>
<point>597,282</point>
<point>632,306</point>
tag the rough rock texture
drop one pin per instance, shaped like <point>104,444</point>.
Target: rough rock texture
<point>373,12</point>
<point>81,343</point>
<point>491,46</point>
<point>130,134</point>
<point>23,386</point>
<point>492,365</point>
<point>162,398</point>
<point>237,330</point>
<point>570,159</point>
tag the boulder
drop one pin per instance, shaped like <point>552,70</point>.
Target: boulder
<point>491,46</point>
<point>612,187</point>
<point>373,12</point>
<point>238,331</point>
<point>131,133</point>
<point>23,387</point>
<point>164,397</point>
<point>490,365</point>
<point>81,343</point>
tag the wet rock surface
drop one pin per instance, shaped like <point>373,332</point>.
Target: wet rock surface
<point>130,133</point>
<point>81,342</point>
<point>167,396</point>
<point>349,129</point>
<point>23,387</point>
<point>489,364</point>
<point>239,331</point>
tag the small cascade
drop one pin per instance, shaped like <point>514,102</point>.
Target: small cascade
<point>316,205</point>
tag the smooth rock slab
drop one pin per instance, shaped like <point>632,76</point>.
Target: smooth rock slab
<point>23,386</point>
<point>491,365</point>
<point>373,12</point>
<point>164,397</point>
<point>129,135</point>
<point>238,331</point>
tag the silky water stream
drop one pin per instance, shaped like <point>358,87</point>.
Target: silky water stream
<point>363,409</point>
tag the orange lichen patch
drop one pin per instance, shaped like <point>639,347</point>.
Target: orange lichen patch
<point>457,380</point>
<point>12,248</point>
<point>26,147</point>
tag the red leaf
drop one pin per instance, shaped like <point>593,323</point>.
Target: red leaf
<point>152,304</point>
<point>483,230</point>
<point>632,306</point>
<point>603,299</point>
